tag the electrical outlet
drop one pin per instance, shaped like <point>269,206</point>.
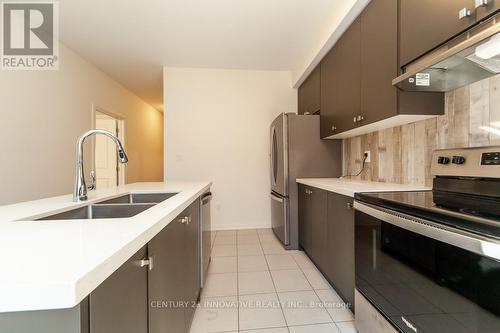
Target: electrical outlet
<point>367,154</point>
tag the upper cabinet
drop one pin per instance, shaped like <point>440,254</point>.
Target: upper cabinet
<point>356,78</point>
<point>341,83</point>
<point>309,93</point>
<point>426,24</point>
<point>486,7</point>
<point>379,63</point>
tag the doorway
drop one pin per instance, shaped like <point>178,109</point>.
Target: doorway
<point>108,171</point>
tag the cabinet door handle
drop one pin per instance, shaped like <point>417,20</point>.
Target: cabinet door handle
<point>355,119</point>
<point>360,118</point>
<point>147,262</point>
<point>349,205</point>
<point>334,128</point>
<point>463,13</point>
<point>184,220</point>
<point>481,3</point>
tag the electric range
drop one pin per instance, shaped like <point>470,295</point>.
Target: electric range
<point>429,261</point>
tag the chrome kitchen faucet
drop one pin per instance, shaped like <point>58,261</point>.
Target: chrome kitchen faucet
<point>80,193</point>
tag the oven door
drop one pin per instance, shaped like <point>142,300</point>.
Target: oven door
<point>420,283</point>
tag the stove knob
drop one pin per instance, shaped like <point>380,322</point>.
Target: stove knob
<point>458,160</point>
<point>443,160</point>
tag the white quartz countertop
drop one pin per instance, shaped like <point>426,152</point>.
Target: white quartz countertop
<point>349,187</point>
<point>56,264</point>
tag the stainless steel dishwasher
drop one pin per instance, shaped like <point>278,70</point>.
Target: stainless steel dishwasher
<point>205,235</point>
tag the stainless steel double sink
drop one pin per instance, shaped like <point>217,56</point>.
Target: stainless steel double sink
<point>120,207</point>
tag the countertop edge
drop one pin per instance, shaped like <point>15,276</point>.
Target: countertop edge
<point>351,187</point>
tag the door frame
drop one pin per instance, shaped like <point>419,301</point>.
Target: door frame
<point>120,121</point>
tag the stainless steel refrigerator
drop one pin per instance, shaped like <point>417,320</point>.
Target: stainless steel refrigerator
<point>297,151</point>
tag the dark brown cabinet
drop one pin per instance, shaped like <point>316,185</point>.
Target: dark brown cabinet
<point>192,271</point>
<point>379,63</point>
<point>326,234</point>
<point>174,279</point>
<point>318,222</point>
<point>485,10</point>
<point>357,74</point>
<point>120,303</point>
<point>426,24</point>
<point>340,249</point>
<point>305,223</point>
<point>309,93</point>
<point>341,83</point>
<point>313,223</point>
<point>166,281</point>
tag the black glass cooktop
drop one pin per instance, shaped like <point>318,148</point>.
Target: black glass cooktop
<point>476,214</point>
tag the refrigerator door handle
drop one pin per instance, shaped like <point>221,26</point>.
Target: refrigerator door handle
<point>276,198</point>
<point>274,156</point>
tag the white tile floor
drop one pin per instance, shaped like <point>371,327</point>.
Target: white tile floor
<point>255,286</point>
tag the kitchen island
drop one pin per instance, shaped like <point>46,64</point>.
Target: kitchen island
<point>52,266</point>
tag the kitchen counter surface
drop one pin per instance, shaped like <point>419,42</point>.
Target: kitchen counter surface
<point>349,187</point>
<point>56,264</point>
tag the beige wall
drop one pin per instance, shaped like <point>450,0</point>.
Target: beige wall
<point>402,154</point>
<point>217,128</point>
<point>43,112</point>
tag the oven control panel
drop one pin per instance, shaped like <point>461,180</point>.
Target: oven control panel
<point>467,162</point>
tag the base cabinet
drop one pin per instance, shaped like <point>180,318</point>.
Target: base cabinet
<point>313,223</point>
<point>326,234</point>
<point>305,223</point>
<point>120,303</point>
<point>166,280</point>
<point>174,280</point>
<point>164,275</point>
<point>340,251</point>
<point>192,267</point>
<point>319,227</point>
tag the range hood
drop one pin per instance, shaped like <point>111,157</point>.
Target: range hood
<point>472,56</point>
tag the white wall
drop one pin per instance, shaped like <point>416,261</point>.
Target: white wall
<point>217,128</point>
<point>42,113</point>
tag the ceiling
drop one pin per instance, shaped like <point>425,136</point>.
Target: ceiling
<point>132,40</point>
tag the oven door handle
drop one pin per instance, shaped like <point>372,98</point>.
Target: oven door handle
<point>461,239</point>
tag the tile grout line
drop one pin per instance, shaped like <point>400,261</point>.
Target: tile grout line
<point>314,266</point>
<point>274,285</point>
<point>322,302</point>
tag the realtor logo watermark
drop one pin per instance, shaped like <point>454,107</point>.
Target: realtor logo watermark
<point>30,35</point>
